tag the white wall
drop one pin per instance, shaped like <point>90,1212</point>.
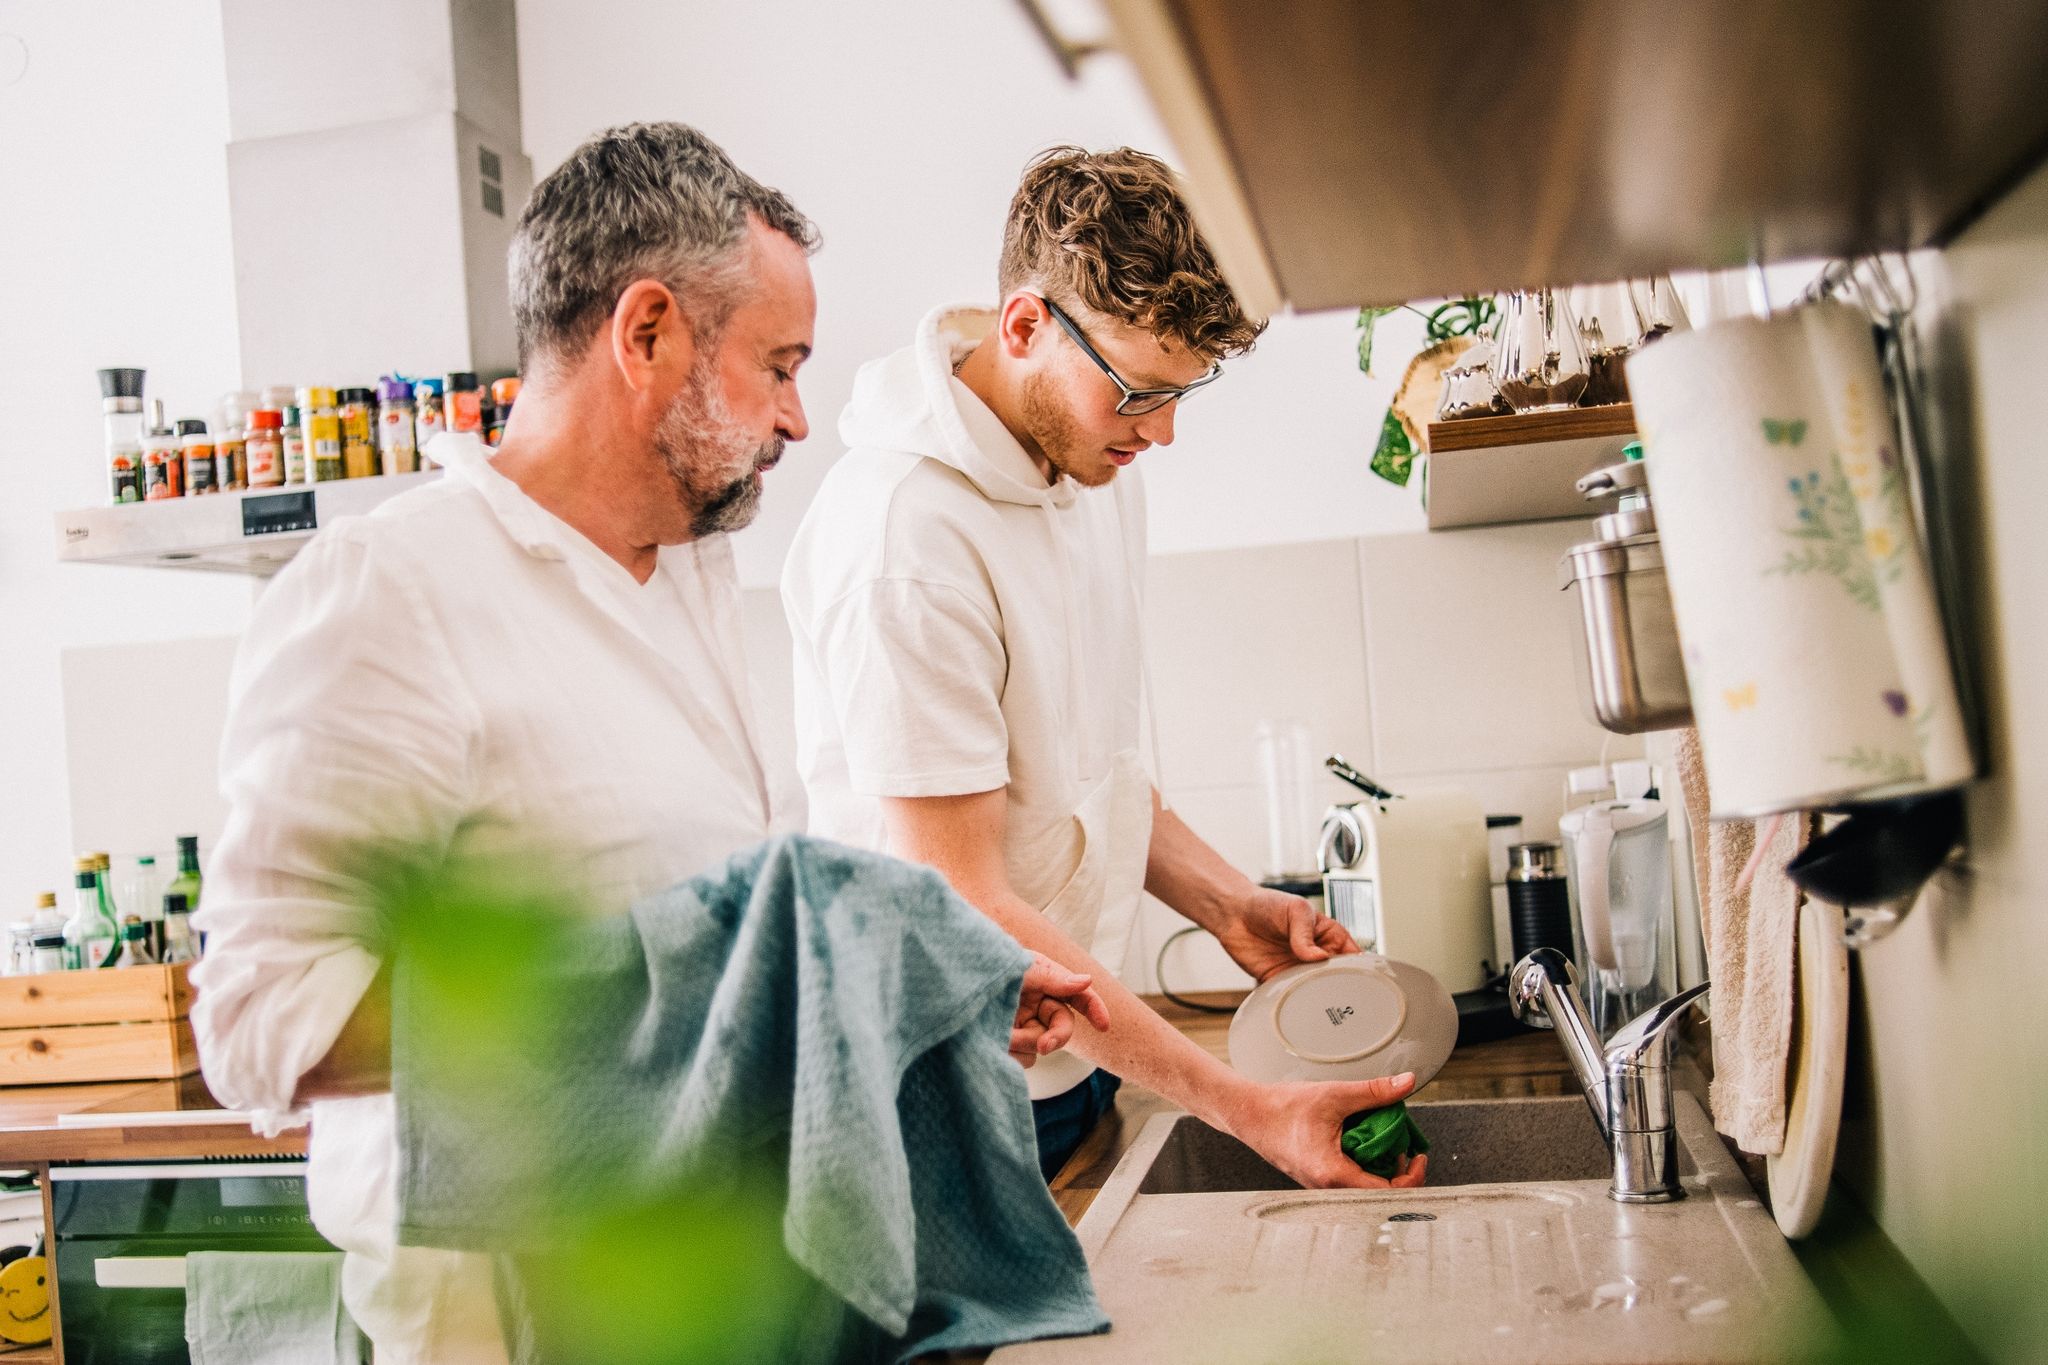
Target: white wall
<point>901,126</point>
<point>113,251</point>
<point>1945,1129</point>
<point>1427,659</point>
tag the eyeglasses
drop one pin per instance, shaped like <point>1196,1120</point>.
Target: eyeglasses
<point>1135,402</point>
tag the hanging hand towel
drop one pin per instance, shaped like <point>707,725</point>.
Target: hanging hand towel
<point>1749,934</point>
<point>268,1308</point>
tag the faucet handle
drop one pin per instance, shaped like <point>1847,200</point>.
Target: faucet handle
<point>1645,1039</point>
<point>1525,984</point>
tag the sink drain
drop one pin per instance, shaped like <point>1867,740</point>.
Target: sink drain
<point>1413,1218</point>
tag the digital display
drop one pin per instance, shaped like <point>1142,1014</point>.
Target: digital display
<point>274,512</point>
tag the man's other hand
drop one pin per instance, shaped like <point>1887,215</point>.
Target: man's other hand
<point>1273,930</point>
<point>1051,997</point>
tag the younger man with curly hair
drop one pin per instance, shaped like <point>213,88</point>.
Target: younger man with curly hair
<point>964,599</point>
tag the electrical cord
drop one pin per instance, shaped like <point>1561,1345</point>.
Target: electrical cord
<point>1159,975</point>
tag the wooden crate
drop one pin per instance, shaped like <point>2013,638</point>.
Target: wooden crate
<point>118,1024</point>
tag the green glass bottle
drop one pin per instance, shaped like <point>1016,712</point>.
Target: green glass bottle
<point>90,935</point>
<point>186,883</point>
<point>104,865</point>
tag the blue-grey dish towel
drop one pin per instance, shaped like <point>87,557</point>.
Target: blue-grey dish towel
<point>839,1016</point>
<point>268,1308</point>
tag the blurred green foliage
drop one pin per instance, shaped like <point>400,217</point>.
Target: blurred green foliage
<point>654,1276</point>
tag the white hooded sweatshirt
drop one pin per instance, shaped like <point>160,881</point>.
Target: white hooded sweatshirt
<point>960,625</point>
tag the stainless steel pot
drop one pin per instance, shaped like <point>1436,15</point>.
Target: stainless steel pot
<point>1631,670</point>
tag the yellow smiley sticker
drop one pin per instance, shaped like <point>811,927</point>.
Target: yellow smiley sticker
<point>25,1301</point>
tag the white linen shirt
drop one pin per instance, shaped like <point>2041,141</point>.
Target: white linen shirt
<point>461,671</point>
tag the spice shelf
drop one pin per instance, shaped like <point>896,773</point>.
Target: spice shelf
<point>253,531</point>
<point>1487,471</point>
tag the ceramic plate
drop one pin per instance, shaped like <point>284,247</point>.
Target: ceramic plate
<point>1813,1086</point>
<point>1352,1018</point>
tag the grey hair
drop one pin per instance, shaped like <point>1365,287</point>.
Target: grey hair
<point>655,201</point>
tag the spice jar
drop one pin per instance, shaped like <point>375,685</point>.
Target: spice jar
<point>397,448</point>
<point>358,409</point>
<point>121,410</point>
<point>198,452</point>
<point>465,401</point>
<point>503,394</point>
<point>163,458</point>
<point>323,434</point>
<point>429,417</point>
<point>266,448</point>
<point>294,439</point>
<point>230,445</point>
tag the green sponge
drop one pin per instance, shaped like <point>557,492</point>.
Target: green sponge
<point>1377,1139</point>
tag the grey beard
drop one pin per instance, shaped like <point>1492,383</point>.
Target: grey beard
<point>697,435</point>
<point>735,505</point>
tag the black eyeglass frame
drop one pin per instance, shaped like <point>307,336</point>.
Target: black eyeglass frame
<point>1134,402</point>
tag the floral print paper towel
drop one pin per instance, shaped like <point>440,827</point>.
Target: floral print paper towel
<point>1813,645</point>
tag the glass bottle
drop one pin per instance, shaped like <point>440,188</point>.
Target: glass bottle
<point>163,458</point>
<point>323,435</point>
<point>121,410</point>
<point>358,411</point>
<point>397,448</point>
<point>1541,363</point>
<point>21,948</point>
<point>180,943</point>
<point>143,894</point>
<point>51,953</point>
<point>504,393</point>
<point>266,448</point>
<point>104,865</point>
<point>90,935</point>
<point>464,397</point>
<point>136,950</point>
<point>201,472</point>
<point>429,418</point>
<point>186,883</point>
<point>231,447</point>
<point>295,471</point>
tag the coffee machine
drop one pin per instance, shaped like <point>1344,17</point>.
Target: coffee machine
<point>1407,875</point>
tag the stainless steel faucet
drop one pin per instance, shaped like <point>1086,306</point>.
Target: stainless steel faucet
<point>1627,1084</point>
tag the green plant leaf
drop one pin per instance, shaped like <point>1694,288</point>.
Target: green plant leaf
<point>1366,318</point>
<point>1394,458</point>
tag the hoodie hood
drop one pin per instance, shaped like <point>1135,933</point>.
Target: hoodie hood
<point>911,402</point>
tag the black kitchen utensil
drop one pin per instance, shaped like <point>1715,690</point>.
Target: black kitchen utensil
<point>1882,852</point>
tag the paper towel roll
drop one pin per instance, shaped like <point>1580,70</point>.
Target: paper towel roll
<point>1813,647</point>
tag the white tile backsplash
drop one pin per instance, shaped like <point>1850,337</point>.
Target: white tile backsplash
<point>1426,659</point>
<point>1234,637</point>
<point>1469,650</point>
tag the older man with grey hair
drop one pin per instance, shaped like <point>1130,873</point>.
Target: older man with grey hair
<point>540,653</point>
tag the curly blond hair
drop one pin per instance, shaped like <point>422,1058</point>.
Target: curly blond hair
<point>1110,231</point>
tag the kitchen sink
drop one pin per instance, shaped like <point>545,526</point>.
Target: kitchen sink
<point>1201,1252</point>
<point>1471,1143</point>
